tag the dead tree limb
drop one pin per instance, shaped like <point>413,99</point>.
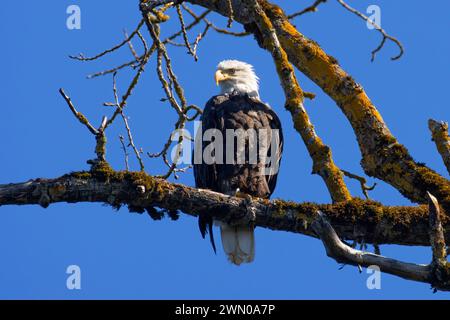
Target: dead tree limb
<point>436,273</point>
<point>311,8</point>
<point>379,29</point>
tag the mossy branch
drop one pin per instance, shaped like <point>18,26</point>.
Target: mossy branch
<point>360,220</point>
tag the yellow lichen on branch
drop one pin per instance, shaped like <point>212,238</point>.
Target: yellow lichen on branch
<point>439,132</point>
<point>382,155</point>
<point>323,163</point>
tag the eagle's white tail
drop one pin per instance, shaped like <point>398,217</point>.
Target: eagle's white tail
<point>238,243</point>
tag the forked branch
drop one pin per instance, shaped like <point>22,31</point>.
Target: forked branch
<point>379,29</point>
<point>436,273</point>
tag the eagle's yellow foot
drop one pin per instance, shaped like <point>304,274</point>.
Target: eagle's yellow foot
<point>250,217</point>
<point>242,195</point>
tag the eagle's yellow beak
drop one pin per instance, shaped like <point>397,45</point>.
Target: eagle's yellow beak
<point>220,76</point>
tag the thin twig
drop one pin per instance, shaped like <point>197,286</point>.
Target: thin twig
<point>78,114</point>
<point>144,43</point>
<point>129,91</point>
<point>125,152</point>
<point>136,63</point>
<point>115,69</point>
<point>213,26</point>
<point>80,57</point>
<point>362,181</point>
<point>230,14</point>
<point>169,86</point>
<point>199,38</point>
<point>379,29</point>
<point>184,32</point>
<point>130,45</point>
<point>311,8</point>
<point>131,143</point>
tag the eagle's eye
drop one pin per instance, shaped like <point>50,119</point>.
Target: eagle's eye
<point>231,71</point>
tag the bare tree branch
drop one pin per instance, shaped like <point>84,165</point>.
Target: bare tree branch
<point>127,127</point>
<point>149,51</point>
<point>311,8</point>
<point>131,47</point>
<point>213,26</point>
<point>127,40</point>
<point>437,273</point>
<point>125,152</point>
<point>343,253</point>
<point>379,29</point>
<point>185,36</point>
<point>230,14</point>
<point>77,114</point>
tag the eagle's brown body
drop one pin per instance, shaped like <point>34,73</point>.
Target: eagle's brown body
<point>239,111</point>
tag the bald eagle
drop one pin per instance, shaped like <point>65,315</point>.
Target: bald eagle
<point>244,159</point>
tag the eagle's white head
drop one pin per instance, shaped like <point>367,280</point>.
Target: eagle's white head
<point>235,76</point>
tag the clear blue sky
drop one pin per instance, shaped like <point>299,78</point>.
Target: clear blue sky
<point>123,255</point>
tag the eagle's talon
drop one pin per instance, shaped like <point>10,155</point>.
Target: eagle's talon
<point>242,195</point>
<point>250,215</point>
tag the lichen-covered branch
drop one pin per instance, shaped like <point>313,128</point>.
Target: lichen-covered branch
<point>359,220</point>
<point>323,163</point>
<point>439,132</point>
<point>383,156</point>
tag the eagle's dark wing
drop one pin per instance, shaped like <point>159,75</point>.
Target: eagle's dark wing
<point>205,175</point>
<point>275,123</point>
<point>258,178</point>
